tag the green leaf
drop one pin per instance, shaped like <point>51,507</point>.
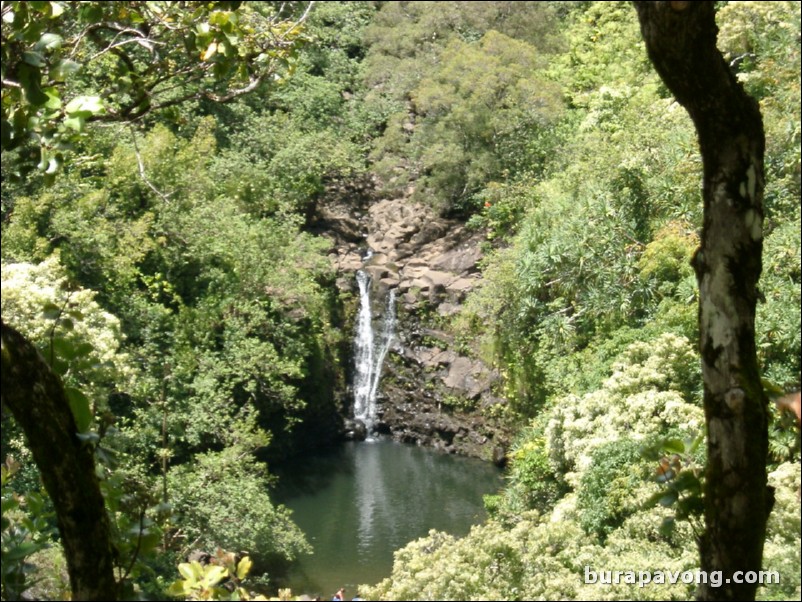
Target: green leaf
<point>674,446</point>
<point>34,58</point>
<point>83,349</point>
<point>30,78</point>
<point>84,106</point>
<point>75,123</point>
<point>6,129</point>
<point>64,348</point>
<point>772,389</point>
<point>107,457</point>
<point>48,41</point>
<point>186,571</point>
<point>20,121</point>
<point>694,445</point>
<point>668,499</point>
<point>64,69</point>
<point>91,13</point>
<point>214,574</point>
<point>54,100</point>
<point>81,410</point>
<point>51,311</point>
<point>688,481</point>
<point>149,542</point>
<point>690,506</point>
<point>192,571</point>
<point>21,551</point>
<point>35,502</point>
<point>11,503</point>
<point>219,18</point>
<point>59,366</point>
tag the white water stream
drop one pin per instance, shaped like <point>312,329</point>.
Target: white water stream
<point>370,351</point>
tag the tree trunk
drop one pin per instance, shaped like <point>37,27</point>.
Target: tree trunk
<point>36,398</point>
<point>681,41</point>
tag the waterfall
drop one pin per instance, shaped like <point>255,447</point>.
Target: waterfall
<point>370,351</point>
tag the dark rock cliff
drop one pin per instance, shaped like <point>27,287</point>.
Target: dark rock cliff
<point>433,392</point>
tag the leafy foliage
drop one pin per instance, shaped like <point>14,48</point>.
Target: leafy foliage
<point>26,530</point>
<point>531,480</point>
<point>217,580</point>
<point>629,486</point>
<point>222,300</point>
<point>477,117</point>
<point>169,273</point>
<point>463,102</point>
<point>133,53</point>
<point>782,538</point>
<point>588,309</point>
<point>80,340</point>
<point>608,486</point>
<point>222,500</point>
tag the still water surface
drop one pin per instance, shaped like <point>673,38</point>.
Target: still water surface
<point>359,502</point>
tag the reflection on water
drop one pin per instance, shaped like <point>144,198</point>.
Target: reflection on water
<point>370,496</point>
<point>360,502</point>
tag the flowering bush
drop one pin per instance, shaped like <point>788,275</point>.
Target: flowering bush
<point>76,336</point>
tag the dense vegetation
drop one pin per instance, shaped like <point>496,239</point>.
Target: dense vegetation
<point>589,307</point>
<point>168,276</point>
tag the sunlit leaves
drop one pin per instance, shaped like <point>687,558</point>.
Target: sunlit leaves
<point>222,499</point>
<point>464,93</point>
<point>199,582</point>
<point>218,53</point>
<point>609,486</point>
<point>81,108</point>
<point>26,529</point>
<point>218,580</point>
<point>81,410</point>
<point>79,340</point>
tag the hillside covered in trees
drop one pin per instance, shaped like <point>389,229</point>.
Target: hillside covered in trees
<point>169,173</point>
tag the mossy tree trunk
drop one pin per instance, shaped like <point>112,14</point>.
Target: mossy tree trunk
<point>681,40</point>
<point>36,398</point>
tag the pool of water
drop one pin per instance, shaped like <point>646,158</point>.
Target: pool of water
<point>360,502</point>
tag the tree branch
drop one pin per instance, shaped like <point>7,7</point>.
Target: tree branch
<point>36,398</point>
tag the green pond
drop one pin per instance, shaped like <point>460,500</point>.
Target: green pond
<point>359,502</point>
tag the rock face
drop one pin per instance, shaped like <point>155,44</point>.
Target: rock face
<point>431,393</point>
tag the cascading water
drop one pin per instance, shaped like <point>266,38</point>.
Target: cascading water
<point>370,352</point>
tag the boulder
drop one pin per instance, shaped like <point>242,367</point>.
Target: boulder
<point>438,279</point>
<point>447,310</point>
<point>355,430</point>
<point>377,272</point>
<point>461,259</point>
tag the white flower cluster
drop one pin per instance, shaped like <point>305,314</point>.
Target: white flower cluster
<point>641,399</point>
<point>31,294</point>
